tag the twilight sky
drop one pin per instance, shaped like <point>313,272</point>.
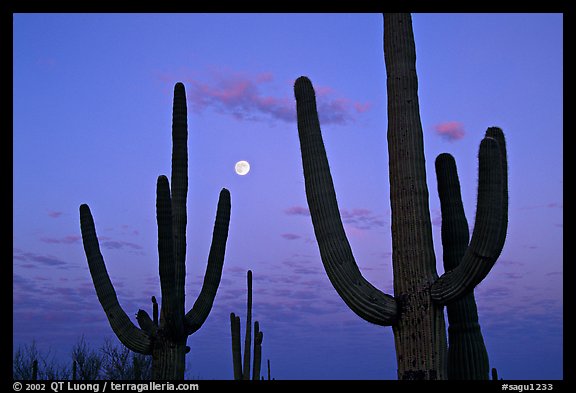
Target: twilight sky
<point>92,124</point>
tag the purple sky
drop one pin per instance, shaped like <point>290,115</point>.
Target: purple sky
<point>92,123</point>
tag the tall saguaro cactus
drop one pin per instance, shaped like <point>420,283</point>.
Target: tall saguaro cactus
<point>415,312</point>
<point>165,340</point>
<point>242,366</point>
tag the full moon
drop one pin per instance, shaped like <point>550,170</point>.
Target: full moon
<point>242,168</point>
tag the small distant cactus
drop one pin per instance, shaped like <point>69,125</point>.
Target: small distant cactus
<point>269,375</point>
<point>495,374</point>
<point>416,311</point>
<point>165,339</point>
<point>242,371</point>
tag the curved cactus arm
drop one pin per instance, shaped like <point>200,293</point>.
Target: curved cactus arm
<point>362,297</point>
<point>203,304</point>
<point>497,134</point>
<point>179,188</point>
<point>146,323</point>
<point>489,227</point>
<point>131,336</point>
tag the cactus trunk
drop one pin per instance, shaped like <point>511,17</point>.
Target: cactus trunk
<point>416,311</point>
<point>419,334</point>
<point>164,336</point>
<point>248,337</point>
<point>169,359</point>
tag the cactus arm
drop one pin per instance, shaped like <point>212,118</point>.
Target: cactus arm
<point>489,227</point>
<point>455,232</point>
<point>236,346</point>
<point>258,337</point>
<point>171,314</point>
<point>467,355</point>
<point>248,336</point>
<point>131,336</point>
<point>179,188</point>
<point>146,323</point>
<point>497,134</point>
<point>362,297</point>
<point>203,304</point>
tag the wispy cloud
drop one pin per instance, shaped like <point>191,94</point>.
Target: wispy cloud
<point>69,239</point>
<point>450,130</point>
<point>290,236</point>
<point>119,245</point>
<point>362,218</point>
<point>54,214</point>
<point>31,260</point>
<point>247,97</point>
<point>105,242</point>
<point>359,218</point>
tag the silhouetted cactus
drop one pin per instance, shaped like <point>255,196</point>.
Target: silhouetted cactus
<point>494,374</point>
<point>467,355</point>
<point>242,371</point>
<point>165,340</point>
<point>415,312</point>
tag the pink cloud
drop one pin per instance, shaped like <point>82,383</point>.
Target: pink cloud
<point>450,130</point>
<point>54,214</point>
<point>361,108</point>
<point>245,97</point>
<point>323,91</point>
<point>264,77</point>
<point>297,211</point>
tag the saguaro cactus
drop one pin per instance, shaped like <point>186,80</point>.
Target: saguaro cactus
<point>242,371</point>
<point>467,355</point>
<point>415,312</point>
<point>165,340</point>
